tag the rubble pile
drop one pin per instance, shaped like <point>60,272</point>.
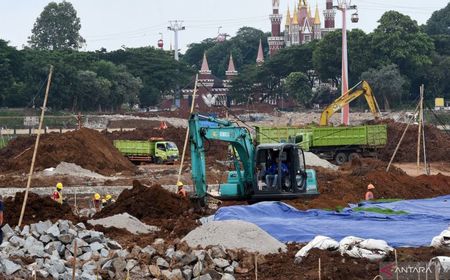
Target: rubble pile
<point>49,251</point>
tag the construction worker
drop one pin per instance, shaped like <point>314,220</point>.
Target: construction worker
<point>108,200</point>
<point>181,191</point>
<point>369,193</point>
<point>57,194</point>
<point>1,219</point>
<point>97,201</point>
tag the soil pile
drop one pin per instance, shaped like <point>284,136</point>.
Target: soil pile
<point>437,143</point>
<point>86,148</point>
<point>337,189</point>
<point>37,209</point>
<point>146,203</point>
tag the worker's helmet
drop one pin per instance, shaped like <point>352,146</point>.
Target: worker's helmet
<point>370,187</point>
<point>59,186</point>
<point>179,184</point>
<point>108,197</point>
<point>97,196</point>
<point>103,200</point>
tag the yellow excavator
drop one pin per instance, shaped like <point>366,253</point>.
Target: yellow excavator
<point>362,88</point>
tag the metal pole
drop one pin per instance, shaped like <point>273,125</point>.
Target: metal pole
<point>344,6</point>
<point>36,146</point>
<point>176,26</point>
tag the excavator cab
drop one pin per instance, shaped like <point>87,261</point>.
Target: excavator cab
<point>281,173</point>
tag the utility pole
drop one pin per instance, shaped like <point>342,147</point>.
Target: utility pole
<point>176,26</point>
<point>343,6</point>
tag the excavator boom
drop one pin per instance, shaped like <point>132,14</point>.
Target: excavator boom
<point>362,88</point>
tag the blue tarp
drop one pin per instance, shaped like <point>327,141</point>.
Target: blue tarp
<point>426,219</point>
<point>439,206</point>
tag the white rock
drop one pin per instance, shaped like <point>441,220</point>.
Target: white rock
<point>16,241</point>
<point>9,267</point>
<point>227,276</point>
<point>162,262</point>
<point>53,231</point>
<point>221,262</point>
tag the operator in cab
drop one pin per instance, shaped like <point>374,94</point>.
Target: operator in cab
<point>272,172</point>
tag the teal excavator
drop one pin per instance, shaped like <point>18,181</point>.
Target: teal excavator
<point>265,172</point>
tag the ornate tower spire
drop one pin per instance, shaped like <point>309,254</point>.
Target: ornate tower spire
<point>260,57</point>
<point>309,11</point>
<point>231,69</point>
<point>205,66</point>
<point>295,19</point>
<point>288,17</point>
<point>317,16</point>
<point>276,41</point>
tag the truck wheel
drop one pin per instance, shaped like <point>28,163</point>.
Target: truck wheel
<point>158,160</point>
<point>340,158</point>
<point>353,156</point>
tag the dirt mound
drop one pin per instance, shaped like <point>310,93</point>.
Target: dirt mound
<point>362,166</point>
<point>437,143</point>
<point>147,202</point>
<point>37,209</point>
<point>86,148</point>
<point>340,188</point>
<point>333,265</point>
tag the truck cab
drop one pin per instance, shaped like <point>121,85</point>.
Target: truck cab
<point>166,151</point>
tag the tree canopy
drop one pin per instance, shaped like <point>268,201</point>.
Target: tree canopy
<point>57,28</point>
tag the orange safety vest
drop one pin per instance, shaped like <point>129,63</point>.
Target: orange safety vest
<point>182,192</point>
<point>369,195</point>
<point>57,196</point>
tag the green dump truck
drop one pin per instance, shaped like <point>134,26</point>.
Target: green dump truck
<point>155,151</point>
<point>340,144</point>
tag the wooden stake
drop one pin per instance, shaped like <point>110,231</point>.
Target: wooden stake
<point>320,269</point>
<point>187,130</point>
<point>256,266</point>
<point>75,253</point>
<point>36,145</point>
<point>419,130</point>
<point>400,141</point>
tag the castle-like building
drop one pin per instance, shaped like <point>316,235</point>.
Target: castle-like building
<point>300,26</point>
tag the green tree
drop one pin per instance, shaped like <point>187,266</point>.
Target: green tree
<point>438,27</point>
<point>438,82</point>
<point>57,28</point>
<point>386,82</point>
<point>327,56</point>
<point>399,40</point>
<point>439,22</point>
<point>297,86</point>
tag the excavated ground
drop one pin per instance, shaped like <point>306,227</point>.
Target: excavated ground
<point>37,209</point>
<point>86,148</point>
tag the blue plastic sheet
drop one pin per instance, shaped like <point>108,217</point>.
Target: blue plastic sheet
<point>286,223</point>
<point>439,206</point>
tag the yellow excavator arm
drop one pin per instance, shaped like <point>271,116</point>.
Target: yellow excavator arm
<point>362,88</point>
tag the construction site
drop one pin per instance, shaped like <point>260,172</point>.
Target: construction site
<point>324,230</point>
<point>309,152</point>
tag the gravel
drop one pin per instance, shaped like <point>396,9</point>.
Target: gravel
<point>313,160</point>
<point>71,169</point>
<point>125,221</point>
<point>234,235</point>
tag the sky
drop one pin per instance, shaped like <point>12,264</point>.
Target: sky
<point>114,24</point>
